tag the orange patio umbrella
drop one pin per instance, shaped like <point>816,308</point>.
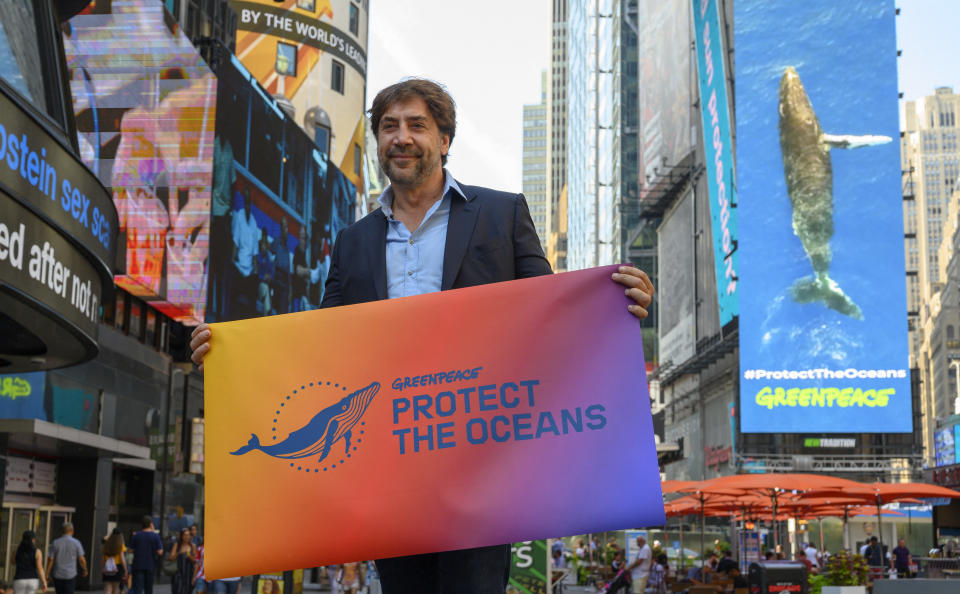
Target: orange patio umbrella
<point>773,485</point>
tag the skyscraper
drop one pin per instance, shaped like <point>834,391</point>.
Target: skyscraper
<point>535,142</point>
<point>556,245</point>
<point>594,134</point>
<point>930,157</point>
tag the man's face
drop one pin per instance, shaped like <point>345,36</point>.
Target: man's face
<point>902,543</point>
<point>409,143</point>
<point>641,541</point>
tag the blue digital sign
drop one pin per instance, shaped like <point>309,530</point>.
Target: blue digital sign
<point>823,343</point>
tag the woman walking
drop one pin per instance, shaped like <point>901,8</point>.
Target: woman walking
<point>115,571</point>
<point>29,563</point>
<point>184,553</point>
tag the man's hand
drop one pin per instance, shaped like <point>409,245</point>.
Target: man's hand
<point>200,345</point>
<point>639,288</point>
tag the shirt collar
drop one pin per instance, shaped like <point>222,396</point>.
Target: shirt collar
<point>386,198</point>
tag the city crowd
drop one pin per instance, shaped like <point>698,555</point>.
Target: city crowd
<point>612,569</point>
<point>133,565</point>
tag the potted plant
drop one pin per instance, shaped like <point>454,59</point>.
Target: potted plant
<point>845,574</point>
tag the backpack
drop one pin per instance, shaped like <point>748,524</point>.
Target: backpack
<point>109,566</point>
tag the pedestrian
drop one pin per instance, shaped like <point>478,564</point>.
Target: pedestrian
<point>658,575</point>
<point>640,567</point>
<point>801,557</point>
<point>65,553</point>
<point>432,233</point>
<point>115,571</point>
<point>28,560</point>
<point>147,548</point>
<point>183,553</point>
<point>350,578</point>
<point>901,559</point>
<point>874,553</point>
<point>226,585</point>
<point>812,555</point>
<point>194,535</point>
<point>333,572</point>
<point>203,586</point>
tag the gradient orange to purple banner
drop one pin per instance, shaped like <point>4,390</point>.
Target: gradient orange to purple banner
<point>445,421</point>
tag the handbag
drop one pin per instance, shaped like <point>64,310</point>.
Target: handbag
<point>169,566</point>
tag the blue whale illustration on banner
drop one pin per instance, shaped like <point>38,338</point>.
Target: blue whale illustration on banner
<point>325,428</point>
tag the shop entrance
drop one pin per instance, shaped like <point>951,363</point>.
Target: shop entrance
<point>15,518</point>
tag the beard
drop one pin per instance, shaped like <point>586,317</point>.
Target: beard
<point>410,176</point>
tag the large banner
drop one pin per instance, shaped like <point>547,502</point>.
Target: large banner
<point>823,343</point>
<point>145,105</point>
<point>718,151</point>
<point>430,423</point>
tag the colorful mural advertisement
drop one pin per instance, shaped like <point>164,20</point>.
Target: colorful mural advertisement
<point>145,104</point>
<point>821,228</point>
<point>310,55</point>
<point>278,204</point>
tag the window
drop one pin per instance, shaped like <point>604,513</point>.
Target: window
<point>354,19</point>
<point>321,137</point>
<point>336,77</point>
<point>357,156</point>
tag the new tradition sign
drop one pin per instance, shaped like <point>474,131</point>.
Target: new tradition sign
<point>430,423</point>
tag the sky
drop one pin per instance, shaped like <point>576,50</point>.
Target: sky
<point>490,55</point>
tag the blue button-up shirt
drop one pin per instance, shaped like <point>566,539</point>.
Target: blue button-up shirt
<point>415,260</point>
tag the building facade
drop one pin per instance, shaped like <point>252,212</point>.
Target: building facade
<point>594,134</point>
<point>556,246</point>
<point>535,180</point>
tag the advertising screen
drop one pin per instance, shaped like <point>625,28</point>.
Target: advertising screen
<point>823,343</point>
<point>664,87</point>
<point>310,55</point>
<point>944,447</point>
<point>278,204</point>
<point>145,105</point>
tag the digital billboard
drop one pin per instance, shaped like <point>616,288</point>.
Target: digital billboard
<point>823,342</point>
<point>664,87</point>
<point>718,152</point>
<point>944,447</point>
<point>310,55</point>
<point>145,107</point>
<point>278,204</point>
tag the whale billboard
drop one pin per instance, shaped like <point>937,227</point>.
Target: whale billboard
<point>823,338</point>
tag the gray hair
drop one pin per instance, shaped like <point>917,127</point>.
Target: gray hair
<point>67,527</point>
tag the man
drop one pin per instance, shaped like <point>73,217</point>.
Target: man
<point>640,567</point>
<point>801,557</point>
<point>727,563</point>
<point>194,537</point>
<point>282,267</point>
<point>245,235</point>
<point>901,559</point>
<point>432,234</point>
<point>813,556</point>
<point>874,553</point>
<point>147,547</point>
<point>65,553</point>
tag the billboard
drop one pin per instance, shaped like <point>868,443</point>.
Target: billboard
<point>823,343</point>
<point>944,447</point>
<point>718,152</point>
<point>144,103</point>
<point>278,204</point>
<point>664,87</point>
<point>528,567</point>
<point>310,55</point>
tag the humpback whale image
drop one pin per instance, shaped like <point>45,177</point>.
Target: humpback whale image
<point>809,177</point>
<point>324,429</point>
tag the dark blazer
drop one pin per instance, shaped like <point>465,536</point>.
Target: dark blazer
<point>490,238</point>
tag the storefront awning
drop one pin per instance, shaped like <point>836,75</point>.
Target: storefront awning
<point>43,437</point>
